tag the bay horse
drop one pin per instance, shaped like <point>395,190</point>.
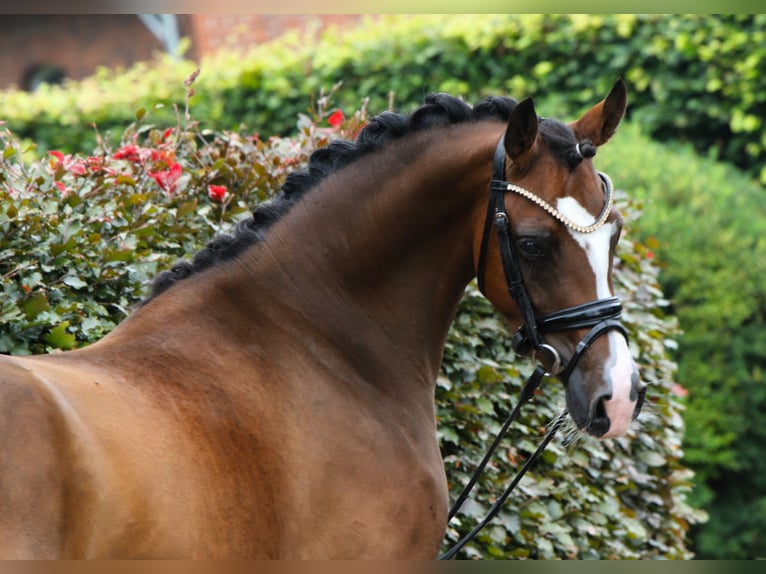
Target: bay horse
<point>274,397</point>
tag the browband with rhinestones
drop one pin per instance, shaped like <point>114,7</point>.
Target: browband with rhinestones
<point>555,213</point>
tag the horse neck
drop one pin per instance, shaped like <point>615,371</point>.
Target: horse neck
<point>379,255</point>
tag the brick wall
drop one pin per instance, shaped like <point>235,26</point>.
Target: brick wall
<point>79,43</point>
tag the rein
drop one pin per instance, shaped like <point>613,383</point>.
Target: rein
<point>600,316</point>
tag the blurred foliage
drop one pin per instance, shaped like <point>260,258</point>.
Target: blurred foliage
<point>698,78</point>
<point>707,223</point>
<point>82,234</point>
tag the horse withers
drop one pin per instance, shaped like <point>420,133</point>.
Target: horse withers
<point>274,397</point>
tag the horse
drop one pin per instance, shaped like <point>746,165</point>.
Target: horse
<point>273,397</point>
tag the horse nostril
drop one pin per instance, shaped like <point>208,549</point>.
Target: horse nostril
<point>600,410</point>
<point>599,422</point>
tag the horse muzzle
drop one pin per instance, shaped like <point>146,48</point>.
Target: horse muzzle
<point>604,393</point>
<point>605,409</point>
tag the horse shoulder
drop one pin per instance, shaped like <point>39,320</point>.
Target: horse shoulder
<point>76,464</point>
<point>32,457</point>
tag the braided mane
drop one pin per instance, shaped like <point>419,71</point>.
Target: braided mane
<point>438,110</point>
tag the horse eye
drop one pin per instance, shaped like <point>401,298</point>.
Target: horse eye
<point>531,247</point>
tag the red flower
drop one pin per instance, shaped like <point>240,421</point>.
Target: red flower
<point>57,154</point>
<point>217,192</point>
<point>94,163</point>
<point>78,167</point>
<point>164,155</point>
<point>649,255</point>
<point>336,118</point>
<point>62,188</point>
<point>128,152</point>
<point>167,179</point>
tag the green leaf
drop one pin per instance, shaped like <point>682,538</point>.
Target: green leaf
<point>126,179</point>
<point>59,337</point>
<point>35,304</point>
<point>59,248</point>
<point>74,282</point>
<point>187,207</point>
<point>652,458</point>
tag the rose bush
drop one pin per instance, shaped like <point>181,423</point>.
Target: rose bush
<point>82,236</point>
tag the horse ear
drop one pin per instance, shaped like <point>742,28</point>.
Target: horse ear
<point>521,133</point>
<point>600,122</point>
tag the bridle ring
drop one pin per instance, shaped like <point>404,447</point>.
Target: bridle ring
<point>556,363</point>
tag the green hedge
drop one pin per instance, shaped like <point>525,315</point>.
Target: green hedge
<point>81,235</point>
<point>692,77</point>
<point>707,224</point>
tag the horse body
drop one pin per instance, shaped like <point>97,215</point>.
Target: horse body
<point>280,405</point>
<point>154,458</point>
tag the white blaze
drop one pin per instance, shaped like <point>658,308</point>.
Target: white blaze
<point>619,408</point>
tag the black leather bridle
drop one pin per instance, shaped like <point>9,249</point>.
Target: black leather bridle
<point>600,316</point>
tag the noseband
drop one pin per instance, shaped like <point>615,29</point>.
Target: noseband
<point>600,315</point>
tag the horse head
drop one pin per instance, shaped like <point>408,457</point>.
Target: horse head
<point>546,256</point>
